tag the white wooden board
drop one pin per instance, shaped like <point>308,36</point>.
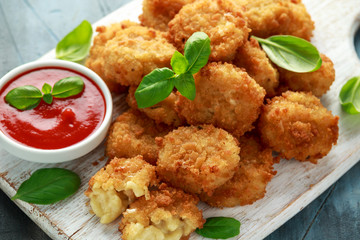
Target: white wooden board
<point>295,185</point>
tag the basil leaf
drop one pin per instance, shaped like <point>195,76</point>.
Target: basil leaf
<point>68,87</point>
<point>291,53</point>
<point>350,96</point>
<point>179,63</point>
<point>155,87</point>
<point>48,98</point>
<point>24,97</point>
<point>48,185</point>
<point>76,45</point>
<point>185,84</point>
<point>46,88</point>
<point>197,51</point>
<point>220,227</point>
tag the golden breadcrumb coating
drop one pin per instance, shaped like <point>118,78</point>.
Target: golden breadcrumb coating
<point>133,53</point>
<point>162,112</point>
<point>251,57</point>
<point>95,61</point>
<point>297,126</point>
<point>158,13</point>
<point>134,134</point>
<point>169,214</point>
<point>219,19</point>
<point>317,82</point>
<point>275,17</point>
<point>226,96</point>
<point>250,180</point>
<point>117,184</point>
<point>197,158</point>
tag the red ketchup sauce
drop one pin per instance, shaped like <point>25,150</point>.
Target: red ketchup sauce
<point>61,124</point>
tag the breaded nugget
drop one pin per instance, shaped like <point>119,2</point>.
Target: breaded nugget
<point>197,158</point>
<point>219,19</point>
<point>297,126</point>
<point>169,214</point>
<point>117,184</point>
<point>162,112</point>
<point>275,17</point>
<point>251,57</point>
<point>134,134</point>
<point>250,180</point>
<point>158,13</point>
<point>317,82</point>
<point>133,53</point>
<point>226,96</point>
<point>95,61</point>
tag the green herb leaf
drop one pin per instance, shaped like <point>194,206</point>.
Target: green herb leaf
<point>220,228</point>
<point>292,53</point>
<point>197,51</point>
<point>158,84</point>
<point>179,63</point>
<point>76,45</point>
<point>68,87</point>
<point>46,88</point>
<point>24,97</point>
<point>185,84</point>
<point>350,96</point>
<point>48,98</point>
<point>155,87</point>
<point>48,185</point>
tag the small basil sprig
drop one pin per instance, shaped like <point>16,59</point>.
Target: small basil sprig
<point>48,185</point>
<point>157,85</point>
<point>76,45</point>
<point>291,53</point>
<point>350,96</point>
<point>29,97</point>
<point>220,228</point>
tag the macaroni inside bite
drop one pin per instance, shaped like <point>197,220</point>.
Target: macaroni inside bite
<point>118,184</point>
<point>169,214</point>
<point>108,205</point>
<point>166,227</point>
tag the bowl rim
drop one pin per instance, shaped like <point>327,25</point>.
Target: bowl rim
<point>72,66</point>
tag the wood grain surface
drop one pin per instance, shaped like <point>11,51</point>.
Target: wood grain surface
<point>31,28</point>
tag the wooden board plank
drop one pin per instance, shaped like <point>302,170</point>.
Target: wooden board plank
<point>4,49</point>
<point>340,211</point>
<point>299,184</point>
<point>19,32</point>
<point>297,226</point>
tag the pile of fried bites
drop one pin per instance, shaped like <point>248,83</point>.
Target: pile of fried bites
<point>217,148</point>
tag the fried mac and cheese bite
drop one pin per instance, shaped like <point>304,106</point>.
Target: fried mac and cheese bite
<point>134,134</point>
<point>133,53</point>
<point>95,61</point>
<point>277,17</point>
<point>251,57</point>
<point>317,82</point>
<point>197,158</point>
<point>297,126</point>
<point>250,180</point>
<point>162,112</point>
<point>226,96</point>
<point>169,214</point>
<point>219,19</point>
<point>158,13</point>
<point>117,184</point>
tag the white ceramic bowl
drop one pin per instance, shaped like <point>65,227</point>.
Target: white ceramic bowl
<point>68,153</point>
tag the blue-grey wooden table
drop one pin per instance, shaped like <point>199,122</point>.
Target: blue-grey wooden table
<point>30,28</point>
